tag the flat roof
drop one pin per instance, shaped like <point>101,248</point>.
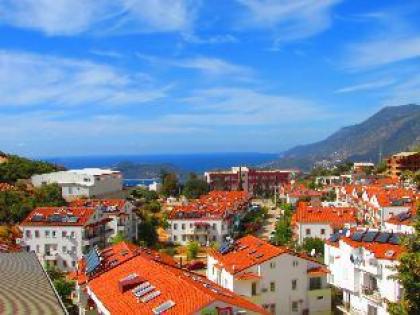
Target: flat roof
<point>94,171</point>
<point>25,287</point>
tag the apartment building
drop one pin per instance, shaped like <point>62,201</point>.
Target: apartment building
<point>126,279</point>
<point>279,280</point>
<point>122,215</point>
<point>60,235</point>
<point>254,181</point>
<point>87,183</point>
<point>211,218</point>
<point>403,161</point>
<point>362,264</point>
<point>321,222</point>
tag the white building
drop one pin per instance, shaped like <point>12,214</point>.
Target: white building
<point>362,265</point>
<point>60,236</point>
<point>321,222</point>
<point>88,182</point>
<point>123,218</point>
<point>210,219</point>
<point>155,186</point>
<point>274,277</point>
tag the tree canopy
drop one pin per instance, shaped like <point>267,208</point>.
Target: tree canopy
<point>170,185</point>
<point>194,187</point>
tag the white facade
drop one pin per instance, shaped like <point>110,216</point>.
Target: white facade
<point>283,286</point>
<point>61,245</point>
<point>366,282</point>
<point>183,231</point>
<point>88,182</point>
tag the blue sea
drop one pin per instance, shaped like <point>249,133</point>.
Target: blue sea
<point>186,162</point>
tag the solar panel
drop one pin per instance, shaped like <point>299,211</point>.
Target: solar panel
<point>72,219</point>
<point>92,261</point>
<point>150,296</point>
<point>163,307</point>
<point>369,236</point>
<point>395,239</point>
<point>334,238</point>
<point>383,237</point>
<point>357,236</point>
<point>140,293</point>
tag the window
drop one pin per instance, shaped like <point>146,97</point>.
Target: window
<point>295,306</point>
<point>64,264</point>
<point>54,233</point>
<point>184,238</point>
<point>320,297</point>
<point>273,308</point>
<point>28,233</point>
<point>272,265</point>
<point>294,284</point>
<point>214,226</point>
<point>295,263</point>
<point>37,248</point>
<point>191,225</point>
<point>183,226</point>
<point>72,235</point>
<point>322,231</point>
<point>214,238</point>
<point>272,286</point>
<point>308,232</point>
<point>64,234</point>
<point>64,249</point>
<point>73,263</point>
<point>36,234</point>
<point>47,233</point>
<point>175,226</point>
<point>175,238</point>
<point>254,289</point>
<point>315,283</point>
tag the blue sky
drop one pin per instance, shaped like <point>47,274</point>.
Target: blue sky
<point>89,77</point>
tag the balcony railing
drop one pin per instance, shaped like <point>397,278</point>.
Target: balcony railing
<point>372,294</point>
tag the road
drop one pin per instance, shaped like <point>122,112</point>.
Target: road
<point>270,222</point>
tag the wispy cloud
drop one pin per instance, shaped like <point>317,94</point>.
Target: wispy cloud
<point>288,19</point>
<point>381,52</point>
<point>69,17</point>
<point>35,80</point>
<point>366,86</point>
<point>207,65</point>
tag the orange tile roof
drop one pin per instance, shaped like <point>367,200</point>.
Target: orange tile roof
<point>93,203</point>
<point>115,255</point>
<point>247,276</point>
<point>318,270</point>
<point>335,216</point>
<point>189,291</point>
<point>216,204</point>
<point>248,251</point>
<point>378,249</point>
<point>83,214</point>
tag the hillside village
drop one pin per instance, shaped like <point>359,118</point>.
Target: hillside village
<point>240,241</point>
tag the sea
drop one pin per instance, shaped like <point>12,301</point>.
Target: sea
<point>198,163</point>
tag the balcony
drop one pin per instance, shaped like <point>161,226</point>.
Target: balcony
<point>346,309</point>
<point>51,255</point>
<point>372,294</point>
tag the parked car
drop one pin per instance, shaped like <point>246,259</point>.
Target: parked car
<point>196,265</point>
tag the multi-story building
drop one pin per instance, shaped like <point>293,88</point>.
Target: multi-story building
<point>125,279</point>
<point>276,278</point>
<point>363,167</point>
<point>254,181</point>
<point>362,264</point>
<point>88,182</point>
<point>60,235</point>
<point>209,219</point>
<point>321,222</point>
<point>121,212</point>
<point>403,161</point>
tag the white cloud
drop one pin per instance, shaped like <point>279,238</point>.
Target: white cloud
<point>33,80</point>
<point>289,19</point>
<point>366,86</point>
<point>406,92</point>
<point>69,17</point>
<point>208,65</point>
<point>383,51</point>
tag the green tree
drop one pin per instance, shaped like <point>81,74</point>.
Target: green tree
<point>195,186</point>
<point>283,232</point>
<point>193,249</point>
<point>170,185</point>
<point>381,167</point>
<point>49,195</point>
<point>147,231</point>
<point>409,275</point>
<point>311,243</point>
<point>118,238</point>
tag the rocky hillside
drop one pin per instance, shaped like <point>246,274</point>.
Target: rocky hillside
<point>391,130</point>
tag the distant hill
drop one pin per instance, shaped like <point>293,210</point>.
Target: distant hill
<point>391,130</point>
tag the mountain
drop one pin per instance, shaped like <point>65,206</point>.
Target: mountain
<point>390,130</point>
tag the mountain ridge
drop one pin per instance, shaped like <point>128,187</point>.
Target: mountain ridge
<point>391,129</point>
